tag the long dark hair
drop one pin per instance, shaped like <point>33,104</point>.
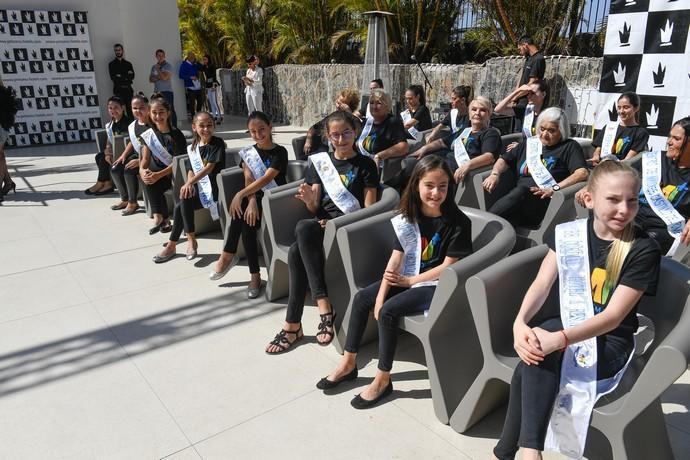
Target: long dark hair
<point>157,98</point>
<point>685,124</point>
<point>256,115</point>
<point>634,100</point>
<point>411,204</point>
<point>198,115</point>
<point>418,91</point>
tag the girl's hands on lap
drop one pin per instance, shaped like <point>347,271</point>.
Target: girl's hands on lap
<point>305,193</point>
<point>526,344</point>
<point>132,164</point>
<point>549,341</point>
<point>148,177</point>
<point>236,206</point>
<point>396,279</point>
<point>187,191</point>
<point>251,214</point>
<point>490,183</point>
<point>542,193</point>
<point>461,172</point>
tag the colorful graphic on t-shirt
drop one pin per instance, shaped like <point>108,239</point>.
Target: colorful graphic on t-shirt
<point>348,177</point>
<point>267,162</point>
<point>601,290</point>
<point>369,142</point>
<point>430,249</point>
<point>673,193</point>
<point>621,146</point>
<point>548,162</point>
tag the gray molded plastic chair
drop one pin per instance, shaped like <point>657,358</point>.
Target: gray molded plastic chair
<point>231,180</point>
<point>282,211</point>
<point>627,424</point>
<point>447,334</point>
<point>101,139</point>
<point>561,209</point>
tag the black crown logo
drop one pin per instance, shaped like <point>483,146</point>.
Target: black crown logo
<point>613,112</point>
<point>659,76</point>
<point>624,35</point>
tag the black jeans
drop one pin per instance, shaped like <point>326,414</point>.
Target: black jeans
<point>533,390</point>
<point>126,181</point>
<point>183,215</point>
<point>306,261</point>
<point>103,167</point>
<point>195,101</point>
<point>520,207</point>
<point>239,227</point>
<point>156,194</point>
<point>399,302</point>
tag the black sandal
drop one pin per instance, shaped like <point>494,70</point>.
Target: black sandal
<point>282,342</point>
<point>327,321</point>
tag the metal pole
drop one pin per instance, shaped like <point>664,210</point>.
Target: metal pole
<point>376,46</point>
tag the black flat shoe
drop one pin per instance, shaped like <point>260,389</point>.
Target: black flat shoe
<point>104,192</point>
<point>325,384</point>
<point>166,227</point>
<point>360,403</point>
<point>88,191</point>
<point>155,229</point>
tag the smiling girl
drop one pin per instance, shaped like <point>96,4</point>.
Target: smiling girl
<point>432,234</point>
<point>629,139</point>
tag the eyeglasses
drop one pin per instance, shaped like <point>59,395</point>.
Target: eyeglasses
<point>349,134</point>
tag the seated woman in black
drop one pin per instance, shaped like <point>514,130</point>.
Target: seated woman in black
<point>211,151</point>
<point>347,101</point>
<point>159,145</point>
<point>125,170</point>
<point>630,138</point>
<point>383,135</point>
<point>623,265</point>
<point>265,168</point>
<point>429,222</point>
<point>417,113</point>
<point>117,126</point>
<point>563,165</point>
<point>335,184</point>
<point>674,184</point>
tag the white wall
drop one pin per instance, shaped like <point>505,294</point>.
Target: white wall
<point>142,26</point>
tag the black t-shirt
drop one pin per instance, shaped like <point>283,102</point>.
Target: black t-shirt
<point>442,237</point>
<point>276,158</point>
<point>675,185</point>
<point>640,271</point>
<point>535,67</point>
<point>423,117</point>
<point>461,121</point>
<point>356,174</point>
<point>486,140</point>
<point>122,125</point>
<point>209,74</point>
<point>385,135</point>
<point>561,160</point>
<point>173,141</point>
<point>138,131</point>
<point>627,138</point>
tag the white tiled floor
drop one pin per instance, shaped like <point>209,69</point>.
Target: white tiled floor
<point>105,355</point>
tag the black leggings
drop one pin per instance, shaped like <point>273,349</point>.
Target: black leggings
<point>183,215</point>
<point>126,181</point>
<point>103,167</point>
<point>156,194</point>
<point>239,227</point>
<point>399,302</point>
<point>533,390</point>
<point>306,261</point>
<point>520,207</point>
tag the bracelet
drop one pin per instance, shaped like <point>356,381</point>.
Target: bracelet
<point>566,340</point>
<point>494,173</point>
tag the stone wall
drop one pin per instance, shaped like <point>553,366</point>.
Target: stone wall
<point>302,94</point>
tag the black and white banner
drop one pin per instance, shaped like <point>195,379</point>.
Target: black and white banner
<point>646,51</point>
<point>46,57</point>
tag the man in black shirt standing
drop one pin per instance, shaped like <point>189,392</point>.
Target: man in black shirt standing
<point>532,72</point>
<point>122,75</point>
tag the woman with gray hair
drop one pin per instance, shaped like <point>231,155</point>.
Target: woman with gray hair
<point>543,165</point>
<point>383,135</point>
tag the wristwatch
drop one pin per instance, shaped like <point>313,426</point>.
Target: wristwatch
<point>556,188</point>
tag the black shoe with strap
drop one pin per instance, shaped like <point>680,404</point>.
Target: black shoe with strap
<point>283,343</point>
<point>326,327</point>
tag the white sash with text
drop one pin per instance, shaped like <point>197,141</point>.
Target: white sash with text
<point>205,188</point>
<point>341,196</point>
<point>256,165</point>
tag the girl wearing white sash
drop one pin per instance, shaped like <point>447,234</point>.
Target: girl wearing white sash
<point>346,179</point>
<point>628,138</point>
<point>537,96</point>
<point>624,265</point>
<point>264,168</point>
<point>420,117</point>
<point>125,170</point>
<point>562,160</point>
<point>211,152</point>
<point>432,233</point>
<point>675,186</point>
<point>159,145</point>
<point>481,143</point>
<point>119,121</point>
<point>386,138</point>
